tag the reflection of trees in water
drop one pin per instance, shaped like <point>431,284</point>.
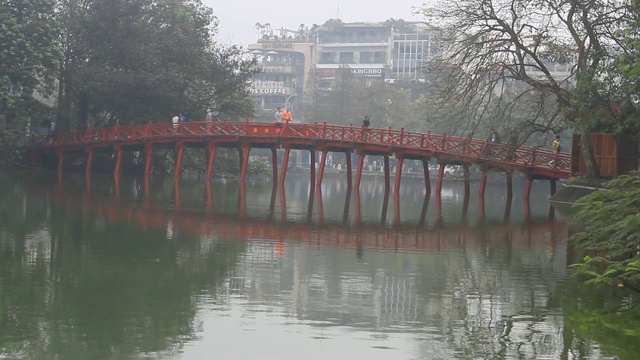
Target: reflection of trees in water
<point>69,291</point>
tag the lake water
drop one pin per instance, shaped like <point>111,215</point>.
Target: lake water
<point>99,271</point>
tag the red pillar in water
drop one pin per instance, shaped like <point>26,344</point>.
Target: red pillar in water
<point>427,177</point>
<point>440,178</point>
<point>285,164</point>
<point>116,171</point>
<point>483,184</point>
<point>244,162</point>
<point>527,188</point>
<point>211,157</point>
<point>87,170</point>
<point>323,160</point>
<point>179,155</point>
<point>552,183</point>
<point>396,190</point>
<point>148,152</point>
<point>359,171</point>
<point>387,175</point>
<point>349,170</point>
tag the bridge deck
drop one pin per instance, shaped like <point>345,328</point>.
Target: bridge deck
<point>534,161</point>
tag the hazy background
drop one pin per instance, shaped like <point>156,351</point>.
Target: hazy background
<point>238,17</point>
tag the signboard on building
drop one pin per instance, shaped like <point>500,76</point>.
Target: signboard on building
<point>368,72</point>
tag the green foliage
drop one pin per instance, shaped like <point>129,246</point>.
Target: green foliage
<point>611,221</point>
<point>29,55</point>
<point>147,60</point>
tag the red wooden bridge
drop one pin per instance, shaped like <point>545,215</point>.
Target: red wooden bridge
<point>533,162</point>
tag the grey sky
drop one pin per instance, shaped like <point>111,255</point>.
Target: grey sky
<point>238,17</point>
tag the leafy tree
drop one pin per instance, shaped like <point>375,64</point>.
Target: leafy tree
<point>29,56</point>
<point>147,60</point>
<point>493,45</point>
<point>612,231</point>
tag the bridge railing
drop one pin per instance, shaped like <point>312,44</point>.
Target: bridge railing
<point>461,147</point>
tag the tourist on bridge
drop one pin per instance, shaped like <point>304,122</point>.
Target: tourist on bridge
<point>366,123</point>
<point>557,146</point>
<point>175,120</point>
<point>209,117</point>
<point>494,137</point>
<point>286,116</point>
<point>279,115</point>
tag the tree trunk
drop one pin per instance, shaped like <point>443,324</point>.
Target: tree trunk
<point>587,153</point>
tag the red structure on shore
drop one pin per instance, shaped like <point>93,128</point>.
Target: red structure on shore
<point>535,163</point>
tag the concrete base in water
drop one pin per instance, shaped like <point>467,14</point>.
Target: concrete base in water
<point>575,188</point>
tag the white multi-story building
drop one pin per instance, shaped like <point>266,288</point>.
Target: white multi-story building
<point>372,51</point>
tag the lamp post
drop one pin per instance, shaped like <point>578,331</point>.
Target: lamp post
<point>286,103</point>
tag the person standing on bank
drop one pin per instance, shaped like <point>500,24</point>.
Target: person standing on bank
<point>286,116</point>
<point>278,115</point>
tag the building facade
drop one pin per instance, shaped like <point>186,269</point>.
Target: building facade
<point>371,51</point>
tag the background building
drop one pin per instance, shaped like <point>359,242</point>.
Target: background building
<point>381,51</point>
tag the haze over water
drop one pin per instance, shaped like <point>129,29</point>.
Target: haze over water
<point>113,274</point>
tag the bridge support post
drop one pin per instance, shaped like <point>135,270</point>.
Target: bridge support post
<point>440,178</point>
<point>148,152</point>
<point>87,170</point>
<point>552,184</point>
<point>274,187</point>
<point>60,165</point>
<point>396,191</point>
<point>285,164</point>
<point>483,184</point>
<point>387,175</point>
<point>467,181</point>
<point>244,151</point>
<point>212,148</point>
<point>349,170</point>
<point>507,209</point>
<point>527,188</point>
<point>427,177</point>
<point>179,155</point>
<point>116,171</point>
<point>323,160</point>
<point>312,180</point>
<point>359,171</point>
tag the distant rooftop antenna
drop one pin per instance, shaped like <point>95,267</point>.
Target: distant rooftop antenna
<point>338,12</point>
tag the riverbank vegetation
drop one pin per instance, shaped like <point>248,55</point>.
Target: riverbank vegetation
<point>611,233</point>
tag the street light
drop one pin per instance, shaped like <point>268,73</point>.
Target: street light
<point>286,103</point>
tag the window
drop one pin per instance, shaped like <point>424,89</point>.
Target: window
<point>346,58</point>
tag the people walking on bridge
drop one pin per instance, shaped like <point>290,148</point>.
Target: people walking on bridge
<point>175,120</point>
<point>366,122</point>
<point>209,117</point>
<point>286,116</point>
<point>557,146</point>
<point>278,115</point>
<point>494,137</point>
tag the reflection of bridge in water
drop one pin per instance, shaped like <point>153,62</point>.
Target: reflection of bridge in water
<point>205,223</point>
<point>533,162</point>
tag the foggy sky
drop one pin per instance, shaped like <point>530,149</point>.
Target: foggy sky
<point>238,17</point>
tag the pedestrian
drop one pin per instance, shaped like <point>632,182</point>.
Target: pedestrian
<point>494,137</point>
<point>182,118</point>
<point>557,146</point>
<point>175,120</point>
<point>366,123</point>
<point>278,115</point>
<point>286,116</point>
<point>209,117</point>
